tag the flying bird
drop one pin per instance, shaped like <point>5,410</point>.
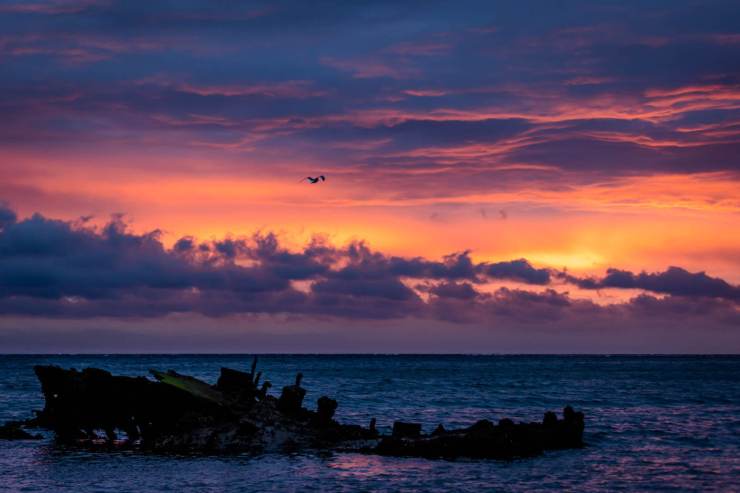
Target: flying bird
<point>315,180</point>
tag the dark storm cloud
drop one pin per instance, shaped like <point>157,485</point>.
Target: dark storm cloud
<point>7,216</point>
<point>46,258</point>
<point>462,290</point>
<point>517,270</point>
<point>673,281</point>
<point>60,269</point>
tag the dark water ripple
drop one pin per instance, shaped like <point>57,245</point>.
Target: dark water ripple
<point>653,424</point>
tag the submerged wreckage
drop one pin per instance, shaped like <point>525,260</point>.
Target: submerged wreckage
<point>178,413</point>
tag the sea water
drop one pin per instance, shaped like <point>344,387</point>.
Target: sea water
<point>653,423</point>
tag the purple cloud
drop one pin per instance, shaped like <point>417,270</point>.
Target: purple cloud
<point>52,268</point>
<point>674,281</point>
<point>577,90</point>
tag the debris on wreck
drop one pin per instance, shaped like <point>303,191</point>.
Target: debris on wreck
<point>179,413</point>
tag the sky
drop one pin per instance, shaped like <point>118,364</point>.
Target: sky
<point>502,177</point>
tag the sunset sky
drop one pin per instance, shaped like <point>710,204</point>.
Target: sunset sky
<point>501,176</point>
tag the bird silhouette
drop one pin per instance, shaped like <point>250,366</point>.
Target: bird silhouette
<point>315,180</point>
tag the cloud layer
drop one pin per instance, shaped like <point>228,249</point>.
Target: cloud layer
<point>472,95</point>
<point>53,268</point>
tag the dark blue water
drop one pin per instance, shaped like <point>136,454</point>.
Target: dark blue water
<point>652,424</point>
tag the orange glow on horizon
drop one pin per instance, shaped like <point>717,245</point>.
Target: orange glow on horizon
<point>645,222</point>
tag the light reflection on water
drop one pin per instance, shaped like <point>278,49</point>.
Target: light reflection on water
<point>653,423</point>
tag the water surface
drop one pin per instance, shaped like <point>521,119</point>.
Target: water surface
<point>653,423</point>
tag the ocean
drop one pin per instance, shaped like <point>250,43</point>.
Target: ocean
<point>653,423</point>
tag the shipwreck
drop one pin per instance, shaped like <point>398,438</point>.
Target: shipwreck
<point>179,413</point>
